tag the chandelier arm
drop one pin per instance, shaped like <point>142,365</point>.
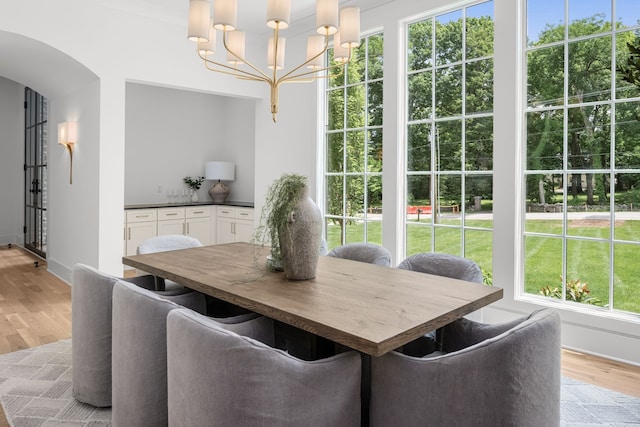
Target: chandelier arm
<point>286,76</point>
<point>300,77</point>
<point>249,64</point>
<point>234,70</point>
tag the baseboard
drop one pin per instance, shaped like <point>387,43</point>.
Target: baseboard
<point>8,239</point>
<point>59,270</point>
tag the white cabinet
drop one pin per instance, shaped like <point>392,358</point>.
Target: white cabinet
<point>198,223</point>
<point>234,224</point>
<point>209,224</point>
<point>190,221</point>
<point>171,221</point>
<point>142,224</point>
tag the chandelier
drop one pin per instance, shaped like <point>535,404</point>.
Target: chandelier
<point>203,26</point>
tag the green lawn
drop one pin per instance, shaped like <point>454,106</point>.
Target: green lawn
<point>587,260</point>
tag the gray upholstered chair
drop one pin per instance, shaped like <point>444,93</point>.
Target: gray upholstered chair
<point>164,243</point>
<point>91,329</point>
<point>363,252</point>
<point>490,375</point>
<point>445,265</point>
<point>139,361</point>
<point>218,377</point>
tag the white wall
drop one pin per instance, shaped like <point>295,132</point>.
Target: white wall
<point>74,208</point>
<point>172,133</point>
<point>126,44</point>
<point>11,161</point>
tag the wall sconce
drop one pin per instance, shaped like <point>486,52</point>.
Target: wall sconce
<point>67,136</point>
<point>224,171</point>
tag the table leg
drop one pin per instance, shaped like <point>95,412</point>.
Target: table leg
<point>365,389</point>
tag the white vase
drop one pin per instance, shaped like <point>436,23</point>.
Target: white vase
<point>194,196</point>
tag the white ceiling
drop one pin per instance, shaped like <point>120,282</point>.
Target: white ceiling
<point>22,56</point>
<point>251,13</point>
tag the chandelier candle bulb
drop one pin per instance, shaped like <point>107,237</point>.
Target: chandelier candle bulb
<point>278,13</point>
<point>327,16</point>
<point>340,54</point>
<point>225,14</point>
<point>280,53</point>
<point>199,13</point>
<point>350,27</point>
<point>235,44</point>
<point>206,48</point>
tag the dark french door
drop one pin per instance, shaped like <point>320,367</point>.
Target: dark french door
<point>36,136</point>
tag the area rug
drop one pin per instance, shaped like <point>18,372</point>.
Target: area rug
<point>35,390</point>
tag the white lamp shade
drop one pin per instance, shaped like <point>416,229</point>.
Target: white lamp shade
<point>199,18</point>
<point>315,47</point>
<point>278,13</point>
<point>327,16</point>
<point>235,44</point>
<point>279,55</point>
<point>340,54</point>
<point>208,47</point>
<point>223,171</point>
<point>350,27</point>
<point>67,133</point>
<point>225,14</point>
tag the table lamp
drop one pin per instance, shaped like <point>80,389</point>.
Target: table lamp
<point>221,171</point>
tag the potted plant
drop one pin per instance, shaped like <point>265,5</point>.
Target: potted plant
<point>291,223</point>
<point>194,184</point>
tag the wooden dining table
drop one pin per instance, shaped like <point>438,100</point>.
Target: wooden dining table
<point>366,307</point>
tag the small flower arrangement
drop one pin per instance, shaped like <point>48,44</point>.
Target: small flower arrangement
<point>193,183</point>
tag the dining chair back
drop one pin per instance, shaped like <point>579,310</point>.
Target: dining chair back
<point>139,363</point>
<point>164,243</point>
<point>91,329</point>
<point>445,265</point>
<point>222,377</point>
<point>489,375</point>
<point>363,252</point>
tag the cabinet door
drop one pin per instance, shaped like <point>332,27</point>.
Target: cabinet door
<point>138,232</point>
<point>243,231</point>
<point>225,230</point>
<point>174,226</point>
<point>200,228</point>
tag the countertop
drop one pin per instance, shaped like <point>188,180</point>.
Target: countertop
<point>178,204</point>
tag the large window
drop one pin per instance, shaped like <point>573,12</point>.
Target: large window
<point>449,135</point>
<point>582,171</point>
<point>353,147</point>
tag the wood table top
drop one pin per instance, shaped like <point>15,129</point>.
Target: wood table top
<point>370,308</point>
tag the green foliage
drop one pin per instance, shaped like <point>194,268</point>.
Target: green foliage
<point>280,199</point>
<point>576,291</point>
<point>629,197</point>
<point>629,71</point>
<point>487,277</point>
<point>193,183</point>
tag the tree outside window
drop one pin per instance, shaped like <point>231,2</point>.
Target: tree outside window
<point>582,175</point>
<point>353,144</point>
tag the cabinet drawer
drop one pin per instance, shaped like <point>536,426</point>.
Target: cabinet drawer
<point>141,215</point>
<point>170,213</point>
<point>198,212</point>
<point>226,212</point>
<point>244,213</point>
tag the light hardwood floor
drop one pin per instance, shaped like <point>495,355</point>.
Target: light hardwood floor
<point>35,309</point>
